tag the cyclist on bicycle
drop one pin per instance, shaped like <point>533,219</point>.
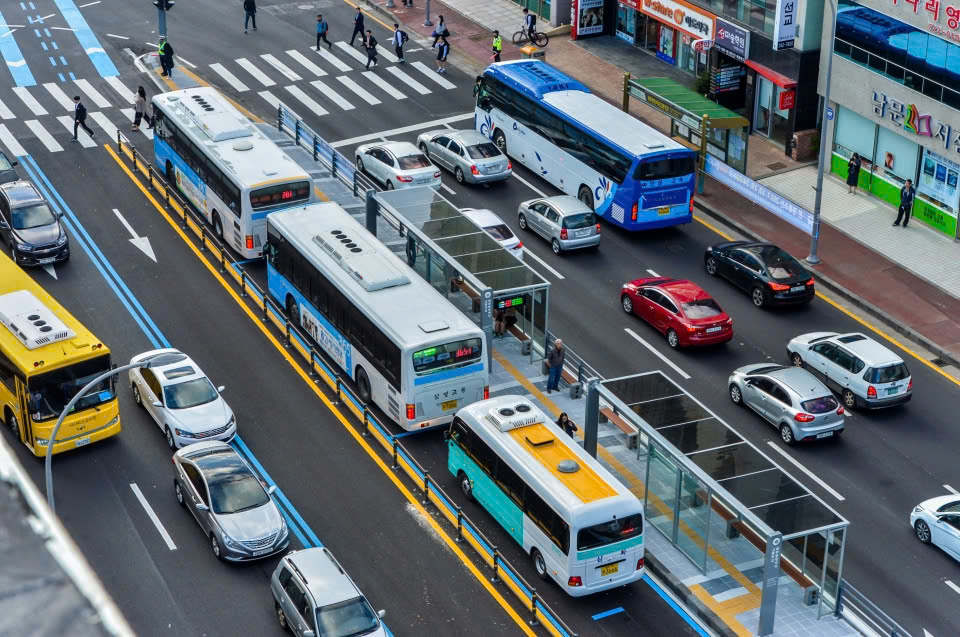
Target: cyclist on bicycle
<point>529,24</point>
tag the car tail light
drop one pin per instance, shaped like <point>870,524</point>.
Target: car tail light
<point>801,417</point>
<point>871,392</point>
<point>411,411</point>
<point>840,411</point>
<point>691,204</point>
<point>598,228</point>
<point>486,392</point>
<point>474,170</point>
<point>810,281</point>
<point>691,328</point>
<point>633,213</point>
<point>249,242</point>
<point>404,179</point>
<point>729,321</point>
<point>509,165</point>
<point>563,233</point>
<point>639,563</point>
<point>574,581</point>
<point>436,175</point>
<point>910,385</point>
<point>778,287</point>
<point>518,246</point>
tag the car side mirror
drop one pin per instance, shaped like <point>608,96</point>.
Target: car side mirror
<point>202,507</point>
<point>59,215</point>
<point>221,388</point>
<point>381,614</point>
<point>14,163</point>
<point>272,489</point>
<point>157,403</point>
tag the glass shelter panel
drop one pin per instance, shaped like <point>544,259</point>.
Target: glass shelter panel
<point>662,479</point>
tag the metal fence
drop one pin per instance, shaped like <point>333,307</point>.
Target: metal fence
<point>323,372</point>
<point>574,362</point>
<point>856,608</point>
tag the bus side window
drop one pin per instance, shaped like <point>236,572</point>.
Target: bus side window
<point>7,374</point>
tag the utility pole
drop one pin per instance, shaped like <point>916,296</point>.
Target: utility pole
<point>813,259</point>
<point>162,7</point>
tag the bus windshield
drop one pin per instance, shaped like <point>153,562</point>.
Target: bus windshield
<point>50,392</point>
<point>665,168</point>
<point>438,356</point>
<point>280,194</point>
<point>616,530</point>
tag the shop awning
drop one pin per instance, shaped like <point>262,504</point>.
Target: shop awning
<point>682,103</point>
<point>779,79</point>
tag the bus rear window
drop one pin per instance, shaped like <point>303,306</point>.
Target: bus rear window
<point>618,530</point>
<point>666,168</point>
<point>573,222</point>
<point>448,354</point>
<point>281,194</point>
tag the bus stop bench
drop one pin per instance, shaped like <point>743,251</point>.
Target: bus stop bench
<point>456,284</point>
<point>632,432</point>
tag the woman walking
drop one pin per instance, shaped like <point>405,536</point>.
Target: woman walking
<point>439,32</point>
<point>442,51</point>
<point>853,174</point>
<point>140,110</point>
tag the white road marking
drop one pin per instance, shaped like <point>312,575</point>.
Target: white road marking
<point>306,100</point>
<point>409,81</point>
<point>119,37</point>
<point>383,84</point>
<point>333,96</point>
<point>59,95</point>
<point>61,29</point>
<point>332,59</point>
<point>956,589</point>
<point>433,75</point>
<point>5,112</point>
<point>352,52</point>
<point>82,137</point>
<point>529,253</point>
<point>95,96</point>
<point>529,185</point>
<point>656,353</point>
<point>652,273</point>
<point>951,489</point>
<point>272,99</point>
<point>153,517</point>
<point>141,243</point>
<point>403,129</point>
<point>118,86</point>
<point>105,124</point>
<point>287,72</point>
<point>89,4</point>
<point>187,62</point>
<point>29,100</point>
<point>45,138</point>
<point>363,93</point>
<point>413,50</point>
<point>307,64</point>
<point>927,633</point>
<point>231,79</point>
<point>809,473</point>
<point>51,271</point>
<point>11,142</point>
<point>382,50</point>
<point>129,112</point>
<point>248,66</point>
<point>448,189</point>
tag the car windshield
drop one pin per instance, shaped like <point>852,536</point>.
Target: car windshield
<point>411,162</point>
<point>500,232</point>
<point>702,308</point>
<point>598,535</point>
<point>888,374</point>
<point>192,393</point>
<point>822,405</point>
<point>32,216</point>
<point>574,222</point>
<point>347,618</point>
<point>950,507</point>
<point>233,491</point>
<point>50,392</point>
<point>483,151</point>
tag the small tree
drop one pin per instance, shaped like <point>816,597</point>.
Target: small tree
<point>702,85</point>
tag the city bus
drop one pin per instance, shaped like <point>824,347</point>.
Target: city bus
<point>580,526</point>
<point>46,357</point>
<point>627,172</point>
<point>409,350</point>
<point>229,170</point>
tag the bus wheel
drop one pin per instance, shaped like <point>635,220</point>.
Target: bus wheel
<point>13,425</point>
<point>501,141</point>
<point>465,485</point>
<point>217,226</point>
<point>293,312</point>
<point>363,385</point>
<point>586,197</point>
<point>539,564</point>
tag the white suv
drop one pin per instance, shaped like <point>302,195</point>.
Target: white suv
<point>862,371</point>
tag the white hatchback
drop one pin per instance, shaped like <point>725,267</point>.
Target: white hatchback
<point>181,399</point>
<point>496,228</point>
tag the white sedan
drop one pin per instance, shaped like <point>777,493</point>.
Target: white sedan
<point>496,228</point>
<point>397,165</point>
<point>181,399</point>
<point>937,521</point>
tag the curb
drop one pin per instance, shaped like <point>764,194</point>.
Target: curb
<point>691,601</point>
<point>884,317</point>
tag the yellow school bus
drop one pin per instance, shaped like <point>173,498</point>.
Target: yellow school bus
<point>47,356</point>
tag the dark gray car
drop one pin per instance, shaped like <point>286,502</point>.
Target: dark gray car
<point>32,231</point>
<point>8,172</point>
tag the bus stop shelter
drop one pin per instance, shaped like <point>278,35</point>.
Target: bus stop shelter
<point>459,258</point>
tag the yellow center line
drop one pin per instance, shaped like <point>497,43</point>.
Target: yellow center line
<point>214,270</point>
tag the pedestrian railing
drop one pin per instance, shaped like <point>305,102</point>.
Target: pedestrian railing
<point>324,373</point>
<point>855,607</point>
<point>573,361</point>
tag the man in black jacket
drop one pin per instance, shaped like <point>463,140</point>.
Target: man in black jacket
<point>250,9</point>
<point>357,26</point>
<point>907,194</point>
<point>79,118</point>
<point>165,51</point>
<point>370,44</point>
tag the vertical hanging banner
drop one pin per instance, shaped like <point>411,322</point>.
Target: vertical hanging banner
<point>785,28</point>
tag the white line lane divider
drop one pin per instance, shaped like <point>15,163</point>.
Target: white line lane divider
<point>448,189</point>
<point>809,473</point>
<point>951,489</point>
<point>956,589</point>
<point>528,184</point>
<point>400,131</point>
<point>153,517</point>
<point>652,273</point>
<point>527,252</point>
<point>650,347</point>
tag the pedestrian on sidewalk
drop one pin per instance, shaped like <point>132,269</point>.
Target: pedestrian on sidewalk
<point>357,25</point>
<point>322,29</point>
<point>370,44</point>
<point>399,39</point>
<point>497,46</point>
<point>853,174</point>
<point>250,9</point>
<point>165,51</point>
<point>440,31</point>
<point>555,362</point>
<point>907,193</point>
<point>568,426</point>
<point>79,118</point>
<point>442,51</point>
<point>140,110</point>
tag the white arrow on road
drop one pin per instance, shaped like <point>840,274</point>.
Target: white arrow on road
<point>50,271</point>
<point>142,243</point>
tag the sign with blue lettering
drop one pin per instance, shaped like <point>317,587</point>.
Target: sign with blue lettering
<point>829,112</point>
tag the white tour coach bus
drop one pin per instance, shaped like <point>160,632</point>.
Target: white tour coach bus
<point>225,166</point>
<point>408,349</point>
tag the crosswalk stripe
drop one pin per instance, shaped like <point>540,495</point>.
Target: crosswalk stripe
<point>29,100</point>
<point>272,99</point>
<point>352,52</point>
<point>95,96</point>
<point>308,101</point>
<point>332,59</point>
<point>433,75</point>
<point>382,83</point>
<point>8,140</point>
<point>332,95</point>
<point>104,122</point>
<point>387,55</point>
<point>409,81</point>
<point>5,112</point>
<point>359,90</point>
<point>129,112</point>
<point>254,71</point>
<point>310,66</point>
<point>118,86</point>
<point>59,95</point>
<point>45,138</point>
<point>84,139</point>
<point>287,72</point>
<point>230,78</point>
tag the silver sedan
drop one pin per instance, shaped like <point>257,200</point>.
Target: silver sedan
<point>790,398</point>
<point>397,165</point>
<point>470,156</point>
<point>565,221</point>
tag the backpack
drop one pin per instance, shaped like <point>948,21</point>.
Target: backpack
<point>403,37</point>
<point>533,20</point>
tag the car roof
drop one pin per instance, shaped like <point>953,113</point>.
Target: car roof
<point>800,381</point>
<point>21,191</point>
<point>683,290</point>
<point>481,216</point>
<point>400,149</point>
<point>468,136</point>
<point>180,368</point>
<point>325,579</point>
<point>872,352</point>
<point>217,462</point>
<point>567,204</point>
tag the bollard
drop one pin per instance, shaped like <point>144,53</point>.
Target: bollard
<point>533,607</point>
<point>243,284</point>
<point>223,265</point>
<point>119,143</point>
<point>459,537</point>
<point>286,335</point>
<point>149,176</point>
<point>496,559</point>
<point>166,197</point>
<point>426,487</point>
<point>426,21</point>
<point>296,133</point>
<point>313,364</point>
<point>395,465</point>
<point>203,239</point>
<point>339,398</point>
<point>366,422</point>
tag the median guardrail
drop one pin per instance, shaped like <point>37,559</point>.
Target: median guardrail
<point>856,607</point>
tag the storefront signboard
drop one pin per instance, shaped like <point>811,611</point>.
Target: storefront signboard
<point>732,40</point>
<point>909,118</point>
<point>785,28</point>
<point>787,99</point>
<point>685,17</point>
<point>938,179</point>
<point>590,19</point>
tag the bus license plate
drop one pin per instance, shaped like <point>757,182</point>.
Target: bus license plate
<point>609,569</point>
<point>825,434</point>
<point>450,404</point>
<point>797,288</point>
<point>663,210</point>
<point>83,441</point>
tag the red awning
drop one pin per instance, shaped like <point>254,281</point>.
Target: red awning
<point>777,78</point>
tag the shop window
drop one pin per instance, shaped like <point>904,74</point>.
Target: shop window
<point>854,133</point>
<point>896,155</point>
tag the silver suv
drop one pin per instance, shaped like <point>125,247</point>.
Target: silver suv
<point>313,595</point>
<point>565,221</point>
<point>862,371</point>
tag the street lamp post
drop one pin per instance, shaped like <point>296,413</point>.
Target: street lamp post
<point>813,259</point>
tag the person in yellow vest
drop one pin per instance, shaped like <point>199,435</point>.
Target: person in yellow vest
<point>497,46</point>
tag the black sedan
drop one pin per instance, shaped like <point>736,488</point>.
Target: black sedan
<point>7,171</point>
<point>770,275</point>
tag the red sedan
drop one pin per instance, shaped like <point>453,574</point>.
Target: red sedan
<point>680,309</point>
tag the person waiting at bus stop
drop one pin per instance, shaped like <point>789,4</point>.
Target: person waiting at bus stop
<point>568,426</point>
<point>555,362</point>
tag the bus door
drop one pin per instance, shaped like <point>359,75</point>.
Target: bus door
<point>26,428</point>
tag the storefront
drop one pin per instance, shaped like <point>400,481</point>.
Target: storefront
<point>669,28</point>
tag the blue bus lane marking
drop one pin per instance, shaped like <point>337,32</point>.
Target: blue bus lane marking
<point>13,57</point>
<point>88,40</point>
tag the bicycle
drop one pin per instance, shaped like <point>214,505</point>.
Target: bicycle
<point>521,37</point>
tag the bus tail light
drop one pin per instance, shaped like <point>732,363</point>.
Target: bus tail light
<point>691,204</point>
<point>635,211</point>
<point>249,242</point>
<point>474,170</point>
<point>640,564</point>
<point>411,411</point>
<point>563,233</point>
<point>486,392</point>
<point>574,581</point>
<point>404,179</point>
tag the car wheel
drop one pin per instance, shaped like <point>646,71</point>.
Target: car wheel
<point>539,564</point>
<point>922,529</point>
<point>389,185</point>
<point>171,442</point>
<point>758,297</point>
<point>796,360</point>
<point>465,485</point>
<point>423,149</point>
<point>711,265</point>
<point>217,226</point>
<point>281,618</point>
<point>672,339</point>
<point>786,435</point>
<point>522,221</point>
<point>363,385</point>
<point>849,399</point>
<point>555,245</point>
<point>215,547</point>
<point>360,164</point>
<point>735,396</point>
<point>136,394</point>
<point>501,141</point>
<point>179,493</point>
<point>627,304</point>
<point>585,196</point>
<point>458,173</point>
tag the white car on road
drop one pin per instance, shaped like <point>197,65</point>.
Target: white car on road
<point>397,165</point>
<point>496,228</point>
<point>937,521</point>
<point>181,399</point>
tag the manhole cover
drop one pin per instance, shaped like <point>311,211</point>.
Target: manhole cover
<point>776,166</point>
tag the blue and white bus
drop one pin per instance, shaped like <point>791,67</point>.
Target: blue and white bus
<point>630,174</point>
<point>225,166</point>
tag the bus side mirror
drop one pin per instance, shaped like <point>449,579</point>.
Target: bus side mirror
<point>32,404</point>
<point>446,434</point>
